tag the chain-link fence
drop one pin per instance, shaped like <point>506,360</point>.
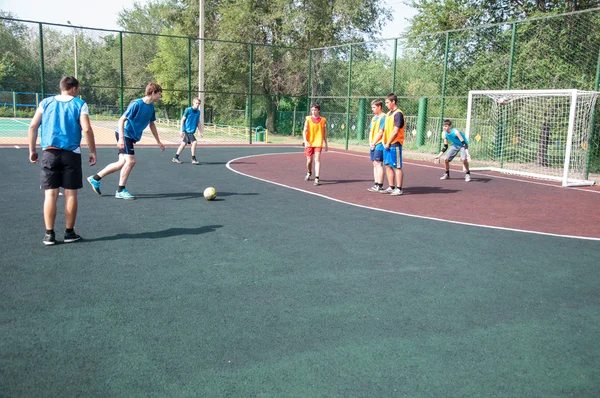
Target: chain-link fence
<point>560,51</point>
<point>250,85</point>
<point>245,85</point>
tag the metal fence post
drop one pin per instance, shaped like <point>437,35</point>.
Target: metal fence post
<point>348,98</point>
<point>43,81</point>
<point>189,72</point>
<point>513,41</point>
<point>443,90</point>
<point>121,77</point>
<point>250,95</point>
<point>395,62</point>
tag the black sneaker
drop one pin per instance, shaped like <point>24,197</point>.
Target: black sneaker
<point>71,237</point>
<point>49,239</point>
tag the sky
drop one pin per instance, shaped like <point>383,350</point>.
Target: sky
<point>103,13</point>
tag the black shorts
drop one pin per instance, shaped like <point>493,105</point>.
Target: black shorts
<point>128,150</point>
<point>188,138</point>
<point>60,168</point>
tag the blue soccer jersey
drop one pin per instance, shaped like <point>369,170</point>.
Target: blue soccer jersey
<point>192,117</point>
<point>139,115</point>
<point>453,138</point>
<point>60,126</point>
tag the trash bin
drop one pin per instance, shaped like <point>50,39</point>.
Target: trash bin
<point>259,134</point>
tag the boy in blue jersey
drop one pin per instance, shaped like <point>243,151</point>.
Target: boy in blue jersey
<point>459,144</point>
<point>189,123</point>
<point>139,114</point>
<point>63,119</point>
<point>376,145</point>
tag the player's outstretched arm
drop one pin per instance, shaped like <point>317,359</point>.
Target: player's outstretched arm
<point>156,137</point>
<point>88,133</point>
<point>32,135</point>
<point>181,132</point>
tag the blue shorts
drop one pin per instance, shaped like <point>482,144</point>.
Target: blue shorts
<point>377,153</point>
<point>128,150</point>
<point>393,157</point>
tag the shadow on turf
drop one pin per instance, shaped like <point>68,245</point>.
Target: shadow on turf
<point>167,233</point>
<point>428,190</point>
<point>186,195</point>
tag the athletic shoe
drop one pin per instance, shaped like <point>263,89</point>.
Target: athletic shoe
<point>389,190</point>
<point>467,177</point>
<point>396,192</point>
<point>375,188</point>
<point>445,176</point>
<point>317,182</point>
<point>124,194</point>
<point>95,184</point>
<point>194,161</point>
<point>71,237</point>
<point>175,160</point>
<point>49,239</point>
<point>307,178</point>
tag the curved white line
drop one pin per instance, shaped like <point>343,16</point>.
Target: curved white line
<point>391,211</point>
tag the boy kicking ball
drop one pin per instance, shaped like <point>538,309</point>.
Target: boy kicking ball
<point>459,144</point>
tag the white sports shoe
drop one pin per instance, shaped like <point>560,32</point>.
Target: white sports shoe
<point>467,177</point>
<point>445,176</point>
<point>389,190</point>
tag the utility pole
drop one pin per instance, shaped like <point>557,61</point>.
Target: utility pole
<point>201,62</point>
<point>74,47</point>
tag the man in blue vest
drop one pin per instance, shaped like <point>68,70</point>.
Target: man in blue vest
<point>63,119</point>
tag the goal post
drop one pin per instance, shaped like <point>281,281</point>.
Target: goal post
<point>535,133</point>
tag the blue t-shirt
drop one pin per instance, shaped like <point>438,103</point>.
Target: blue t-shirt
<point>60,126</point>
<point>139,115</point>
<point>451,136</point>
<point>192,117</point>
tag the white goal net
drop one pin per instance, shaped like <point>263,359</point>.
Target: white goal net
<point>535,133</point>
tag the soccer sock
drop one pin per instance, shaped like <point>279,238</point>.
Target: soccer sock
<point>469,172</point>
<point>69,230</point>
<point>97,177</point>
<point>49,231</point>
<point>121,188</point>
<point>176,156</point>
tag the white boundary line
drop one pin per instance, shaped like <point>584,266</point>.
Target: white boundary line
<point>396,212</point>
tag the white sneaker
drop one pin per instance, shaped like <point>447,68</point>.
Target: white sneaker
<point>389,190</point>
<point>307,178</point>
<point>467,177</point>
<point>175,160</point>
<point>396,192</point>
<point>445,176</point>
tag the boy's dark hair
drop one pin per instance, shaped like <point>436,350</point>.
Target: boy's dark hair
<point>317,106</point>
<point>392,97</point>
<point>447,122</point>
<point>68,82</point>
<point>153,88</point>
<point>377,102</point>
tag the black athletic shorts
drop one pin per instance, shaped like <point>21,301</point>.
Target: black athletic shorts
<point>61,168</point>
<point>128,142</point>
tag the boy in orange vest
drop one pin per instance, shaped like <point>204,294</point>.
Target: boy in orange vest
<point>315,140</point>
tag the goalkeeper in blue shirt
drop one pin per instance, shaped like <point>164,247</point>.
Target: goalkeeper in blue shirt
<point>459,143</point>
